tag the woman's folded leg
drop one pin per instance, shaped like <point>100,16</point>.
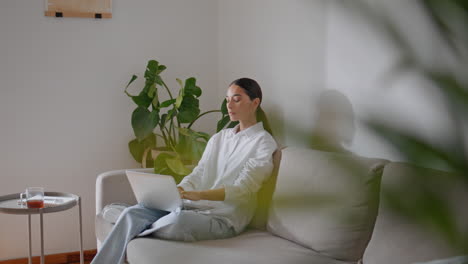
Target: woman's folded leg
<point>130,223</point>
<point>193,226</point>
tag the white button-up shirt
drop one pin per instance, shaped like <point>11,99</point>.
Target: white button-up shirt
<point>238,161</point>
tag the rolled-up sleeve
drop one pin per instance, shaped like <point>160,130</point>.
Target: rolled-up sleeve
<point>255,171</point>
<point>193,180</point>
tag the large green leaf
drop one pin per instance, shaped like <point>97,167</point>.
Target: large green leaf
<point>151,70</point>
<point>194,135</point>
<point>152,91</point>
<point>436,12</point>
<point>161,68</point>
<point>222,123</point>
<point>191,88</point>
<point>189,109</point>
<point>176,165</point>
<point>179,99</point>
<point>190,147</point>
<point>158,80</point>
<point>197,91</point>
<point>155,101</point>
<point>225,119</point>
<point>142,100</point>
<point>425,204</point>
<point>198,147</point>
<point>185,131</point>
<point>419,151</point>
<point>137,148</point>
<point>148,84</point>
<point>224,110</point>
<point>160,165</point>
<point>187,116</point>
<point>450,86</point>
<point>190,83</point>
<point>203,135</point>
<point>165,161</point>
<point>187,101</point>
<point>183,146</point>
<point>167,103</point>
<point>143,122</point>
<point>179,81</point>
<point>233,124</point>
<point>190,103</point>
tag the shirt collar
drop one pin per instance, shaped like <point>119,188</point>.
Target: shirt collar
<point>249,132</point>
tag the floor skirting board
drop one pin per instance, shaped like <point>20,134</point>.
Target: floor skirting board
<point>62,258</point>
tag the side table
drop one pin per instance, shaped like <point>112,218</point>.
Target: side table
<point>53,202</point>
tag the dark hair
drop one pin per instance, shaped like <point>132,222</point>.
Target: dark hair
<point>253,90</point>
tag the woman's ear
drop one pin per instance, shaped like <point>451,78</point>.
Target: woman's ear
<point>256,102</point>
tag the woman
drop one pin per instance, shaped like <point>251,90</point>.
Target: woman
<point>232,169</point>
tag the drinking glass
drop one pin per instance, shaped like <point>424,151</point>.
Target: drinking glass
<point>34,197</point>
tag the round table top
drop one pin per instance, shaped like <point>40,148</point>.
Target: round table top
<point>53,202</point>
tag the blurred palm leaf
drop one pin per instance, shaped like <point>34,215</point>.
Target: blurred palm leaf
<point>419,198</point>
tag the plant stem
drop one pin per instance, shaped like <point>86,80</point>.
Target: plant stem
<point>170,139</point>
<point>173,129</point>
<point>178,123</point>
<point>165,137</point>
<point>167,89</point>
<point>207,112</point>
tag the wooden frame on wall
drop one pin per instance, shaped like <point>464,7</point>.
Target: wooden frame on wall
<point>79,8</point>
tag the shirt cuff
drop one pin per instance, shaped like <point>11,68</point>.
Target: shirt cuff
<point>186,185</point>
<point>231,193</point>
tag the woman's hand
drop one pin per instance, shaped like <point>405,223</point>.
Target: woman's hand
<point>191,195</point>
<point>180,189</point>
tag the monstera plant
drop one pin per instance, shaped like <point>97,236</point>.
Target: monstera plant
<point>177,145</point>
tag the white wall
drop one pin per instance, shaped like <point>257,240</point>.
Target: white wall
<point>280,43</point>
<point>358,61</point>
<point>63,115</point>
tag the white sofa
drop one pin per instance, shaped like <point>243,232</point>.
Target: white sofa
<point>319,213</point>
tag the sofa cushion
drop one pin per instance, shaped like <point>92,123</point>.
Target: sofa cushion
<point>106,219</point>
<point>253,246</point>
<point>399,239</point>
<point>102,228</point>
<point>326,201</point>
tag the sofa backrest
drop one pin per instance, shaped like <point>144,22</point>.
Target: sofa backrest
<point>264,195</point>
<point>326,201</point>
<point>399,239</point>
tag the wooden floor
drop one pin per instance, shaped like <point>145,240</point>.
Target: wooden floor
<point>63,258</point>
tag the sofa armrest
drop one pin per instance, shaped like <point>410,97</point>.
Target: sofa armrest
<point>113,187</point>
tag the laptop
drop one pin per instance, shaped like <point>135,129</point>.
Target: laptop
<point>158,191</point>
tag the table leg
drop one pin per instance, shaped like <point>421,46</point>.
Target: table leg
<point>30,247</point>
<point>42,238</point>
<point>81,233</point>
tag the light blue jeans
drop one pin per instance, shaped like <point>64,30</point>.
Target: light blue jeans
<point>188,226</point>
